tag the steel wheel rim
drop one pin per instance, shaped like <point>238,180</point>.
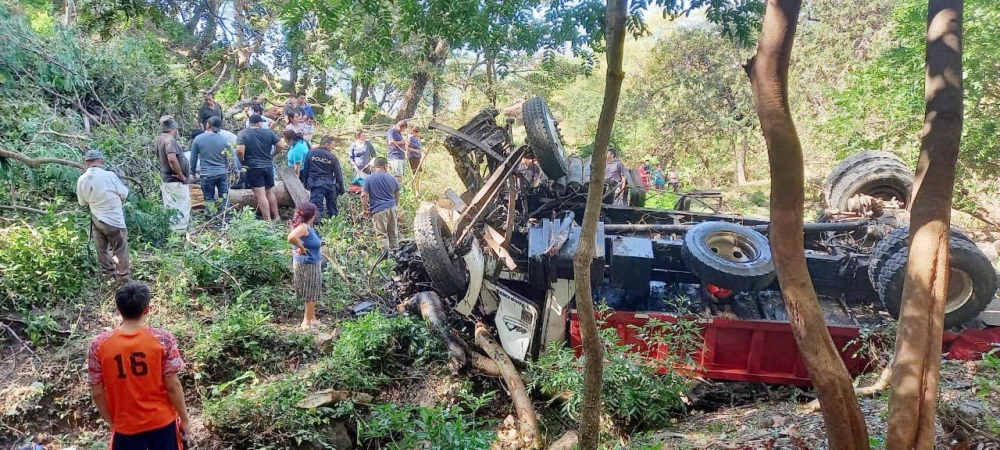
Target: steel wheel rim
<point>732,247</point>
<point>960,290</point>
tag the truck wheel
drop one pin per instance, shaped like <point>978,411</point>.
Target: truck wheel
<point>436,245</point>
<point>875,173</point>
<point>891,244</point>
<point>729,256</point>
<point>971,287</point>
<point>543,138</point>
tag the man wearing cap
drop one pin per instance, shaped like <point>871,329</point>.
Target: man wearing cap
<point>103,192</point>
<point>212,149</point>
<point>209,109</point>
<point>174,171</point>
<point>255,147</point>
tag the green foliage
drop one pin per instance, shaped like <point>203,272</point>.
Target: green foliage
<point>252,252</point>
<point>369,352</point>
<point>43,265</point>
<point>244,338</point>
<point>639,395</point>
<point>406,427</point>
<point>147,221</point>
<point>41,328</point>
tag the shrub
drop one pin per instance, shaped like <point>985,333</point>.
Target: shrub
<point>641,394</point>
<point>43,264</point>
<point>253,252</point>
<point>369,352</point>
<point>409,427</point>
<point>242,339</point>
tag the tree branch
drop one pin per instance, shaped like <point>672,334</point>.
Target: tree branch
<point>35,162</point>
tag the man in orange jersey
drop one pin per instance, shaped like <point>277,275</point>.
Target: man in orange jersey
<point>132,372</point>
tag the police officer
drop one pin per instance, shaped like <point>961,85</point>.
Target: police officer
<point>321,174</point>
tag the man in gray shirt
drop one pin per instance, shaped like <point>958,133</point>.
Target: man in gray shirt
<point>614,175</point>
<point>216,158</point>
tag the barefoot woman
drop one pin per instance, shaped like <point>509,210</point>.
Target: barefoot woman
<point>306,261</point>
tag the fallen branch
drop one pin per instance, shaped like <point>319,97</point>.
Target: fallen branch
<point>16,337</point>
<point>22,209</point>
<point>876,388</point>
<point>331,397</point>
<point>432,311</point>
<point>529,433</point>
<point>340,269</point>
<point>484,364</point>
<point>567,441</point>
<point>79,137</point>
<point>35,162</point>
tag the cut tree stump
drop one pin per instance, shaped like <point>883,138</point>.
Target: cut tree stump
<point>294,187</point>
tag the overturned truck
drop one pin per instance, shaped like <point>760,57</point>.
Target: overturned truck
<point>502,253</point>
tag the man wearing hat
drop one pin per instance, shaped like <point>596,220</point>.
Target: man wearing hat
<point>209,109</point>
<point>103,192</point>
<point>174,171</point>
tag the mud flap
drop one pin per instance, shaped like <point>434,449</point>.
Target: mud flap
<point>515,322</point>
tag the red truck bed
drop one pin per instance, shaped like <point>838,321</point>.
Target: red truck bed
<point>765,351</point>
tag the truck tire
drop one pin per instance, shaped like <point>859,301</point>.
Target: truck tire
<point>543,137</point>
<point>435,242</point>
<point>875,173</point>
<point>972,284</point>
<point>729,256</point>
<point>891,244</point>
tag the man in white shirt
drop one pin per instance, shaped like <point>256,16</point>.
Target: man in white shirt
<point>104,193</point>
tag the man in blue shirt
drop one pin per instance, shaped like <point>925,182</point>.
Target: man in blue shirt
<point>322,175</point>
<point>397,150</point>
<point>212,150</point>
<point>379,198</point>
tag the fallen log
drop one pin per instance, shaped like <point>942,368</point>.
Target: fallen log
<point>568,441</point>
<point>432,311</point>
<point>331,397</point>
<point>294,187</point>
<point>528,429</point>
<point>244,197</point>
<point>876,388</point>
<point>484,364</point>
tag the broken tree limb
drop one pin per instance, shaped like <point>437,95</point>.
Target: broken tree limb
<point>245,197</point>
<point>529,433</point>
<point>432,310</point>
<point>22,209</point>
<point>876,388</point>
<point>331,397</point>
<point>35,162</point>
<point>484,364</point>
<point>340,270</point>
<point>567,441</point>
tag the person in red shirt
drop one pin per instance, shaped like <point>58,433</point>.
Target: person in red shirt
<point>132,371</point>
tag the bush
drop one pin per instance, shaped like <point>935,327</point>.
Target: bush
<point>253,252</point>
<point>43,264</point>
<point>242,339</point>
<point>641,394</point>
<point>409,427</point>
<point>369,352</point>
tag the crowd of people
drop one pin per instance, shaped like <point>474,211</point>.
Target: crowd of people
<point>133,369</point>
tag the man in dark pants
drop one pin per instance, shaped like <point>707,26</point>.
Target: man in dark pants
<point>104,193</point>
<point>322,175</point>
<point>211,148</point>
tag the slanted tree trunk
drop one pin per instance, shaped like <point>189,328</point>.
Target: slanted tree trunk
<point>419,79</point>
<point>917,366</point>
<point>593,350</point>
<point>741,159</point>
<point>768,71</point>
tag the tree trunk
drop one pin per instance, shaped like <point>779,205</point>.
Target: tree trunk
<point>436,97</point>
<point>411,99</point>
<point>583,260</point>
<point>365,93</point>
<point>741,159</point>
<point>208,33</point>
<point>917,365</point>
<point>491,80</point>
<point>69,16</point>
<point>768,71</point>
